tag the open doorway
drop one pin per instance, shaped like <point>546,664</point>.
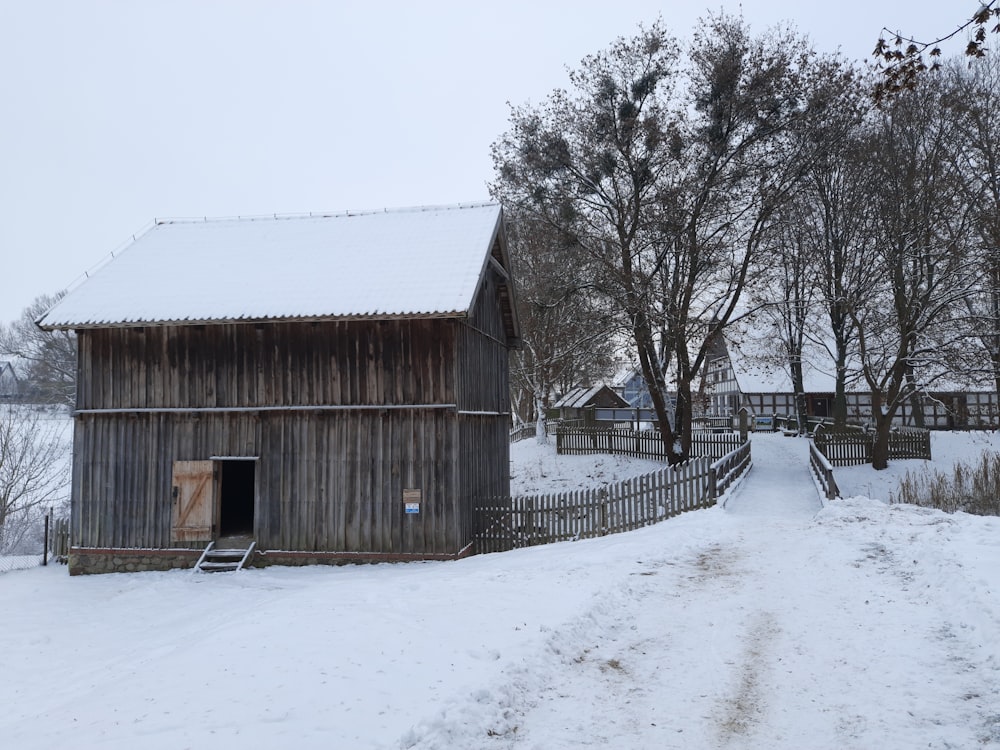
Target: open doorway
<point>236,497</point>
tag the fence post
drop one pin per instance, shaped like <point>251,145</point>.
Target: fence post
<point>713,489</point>
<point>529,517</point>
<point>45,547</point>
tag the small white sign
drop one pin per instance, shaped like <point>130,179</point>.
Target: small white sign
<point>411,500</point>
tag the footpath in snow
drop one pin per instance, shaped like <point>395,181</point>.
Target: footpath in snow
<point>771,623</point>
<point>780,484</point>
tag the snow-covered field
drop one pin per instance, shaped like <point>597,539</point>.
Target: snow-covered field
<point>770,623</point>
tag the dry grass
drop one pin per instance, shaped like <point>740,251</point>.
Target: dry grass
<point>971,488</point>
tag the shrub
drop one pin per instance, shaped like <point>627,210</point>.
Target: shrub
<point>971,488</point>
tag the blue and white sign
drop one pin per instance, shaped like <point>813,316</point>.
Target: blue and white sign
<point>411,501</point>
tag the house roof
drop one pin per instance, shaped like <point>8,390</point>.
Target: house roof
<point>582,396</point>
<point>421,262</point>
<point>762,374</point>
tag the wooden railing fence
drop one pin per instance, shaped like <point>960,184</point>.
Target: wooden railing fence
<point>526,431</point>
<point>823,470</point>
<point>728,469</point>
<point>639,443</point>
<point>721,424</point>
<point>854,448</point>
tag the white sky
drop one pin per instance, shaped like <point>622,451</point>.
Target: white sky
<point>118,112</point>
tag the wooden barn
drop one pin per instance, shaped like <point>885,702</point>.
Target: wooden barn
<point>331,387</point>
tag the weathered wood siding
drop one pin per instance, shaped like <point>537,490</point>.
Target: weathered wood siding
<point>326,481</point>
<point>393,362</point>
<point>122,470</point>
<point>484,403</point>
<point>482,358</point>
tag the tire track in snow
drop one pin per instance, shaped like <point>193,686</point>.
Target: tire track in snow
<point>745,710</point>
<point>609,677</point>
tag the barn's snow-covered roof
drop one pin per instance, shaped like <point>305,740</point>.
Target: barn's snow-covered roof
<point>392,263</point>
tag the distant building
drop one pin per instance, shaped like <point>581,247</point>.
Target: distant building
<point>632,386</point>
<point>10,385</point>
<point>580,402</point>
<point>734,378</point>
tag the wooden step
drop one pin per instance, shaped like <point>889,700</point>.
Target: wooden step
<point>214,560</point>
<point>219,566</point>
<point>233,554</point>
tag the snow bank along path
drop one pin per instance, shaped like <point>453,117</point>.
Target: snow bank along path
<point>771,623</point>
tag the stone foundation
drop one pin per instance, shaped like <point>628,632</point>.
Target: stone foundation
<point>264,558</point>
<point>84,560</point>
<point>87,560</point>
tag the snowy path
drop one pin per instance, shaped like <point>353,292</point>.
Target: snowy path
<point>779,485</point>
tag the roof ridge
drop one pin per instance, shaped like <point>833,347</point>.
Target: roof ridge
<point>325,214</point>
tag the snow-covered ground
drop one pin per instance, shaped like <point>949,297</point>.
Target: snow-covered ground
<point>946,449</point>
<point>770,623</point>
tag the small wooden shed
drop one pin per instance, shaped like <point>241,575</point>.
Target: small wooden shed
<point>580,402</point>
<point>333,387</point>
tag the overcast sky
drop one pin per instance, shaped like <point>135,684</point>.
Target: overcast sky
<point>115,113</point>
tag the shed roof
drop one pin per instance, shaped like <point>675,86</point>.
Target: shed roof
<point>584,395</point>
<point>419,262</point>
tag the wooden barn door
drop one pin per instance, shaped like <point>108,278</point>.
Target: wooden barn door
<point>194,503</point>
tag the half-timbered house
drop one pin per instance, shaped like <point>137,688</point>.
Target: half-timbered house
<point>333,387</point>
<point>735,378</point>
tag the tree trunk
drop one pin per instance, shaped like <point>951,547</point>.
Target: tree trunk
<point>914,399</point>
<point>541,428</point>
<point>840,388</point>
<point>883,425</point>
<point>682,416</point>
<point>801,412</point>
<point>655,383</point>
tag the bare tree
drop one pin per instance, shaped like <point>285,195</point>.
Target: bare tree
<point>668,193</point>
<point>976,99</point>
<point>835,227</point>
<point>34,469</point>
<point>590,166</point>
<point>565,334</point>
<point>788,303</point>
<point>908,327</point>
<point>47,358</point>
<point>902,60</point>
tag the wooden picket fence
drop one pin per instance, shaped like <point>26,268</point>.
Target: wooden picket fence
<point>854,448</point>
<point>639,443</point>
<point>59,540</point>
<point>507,523</point>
